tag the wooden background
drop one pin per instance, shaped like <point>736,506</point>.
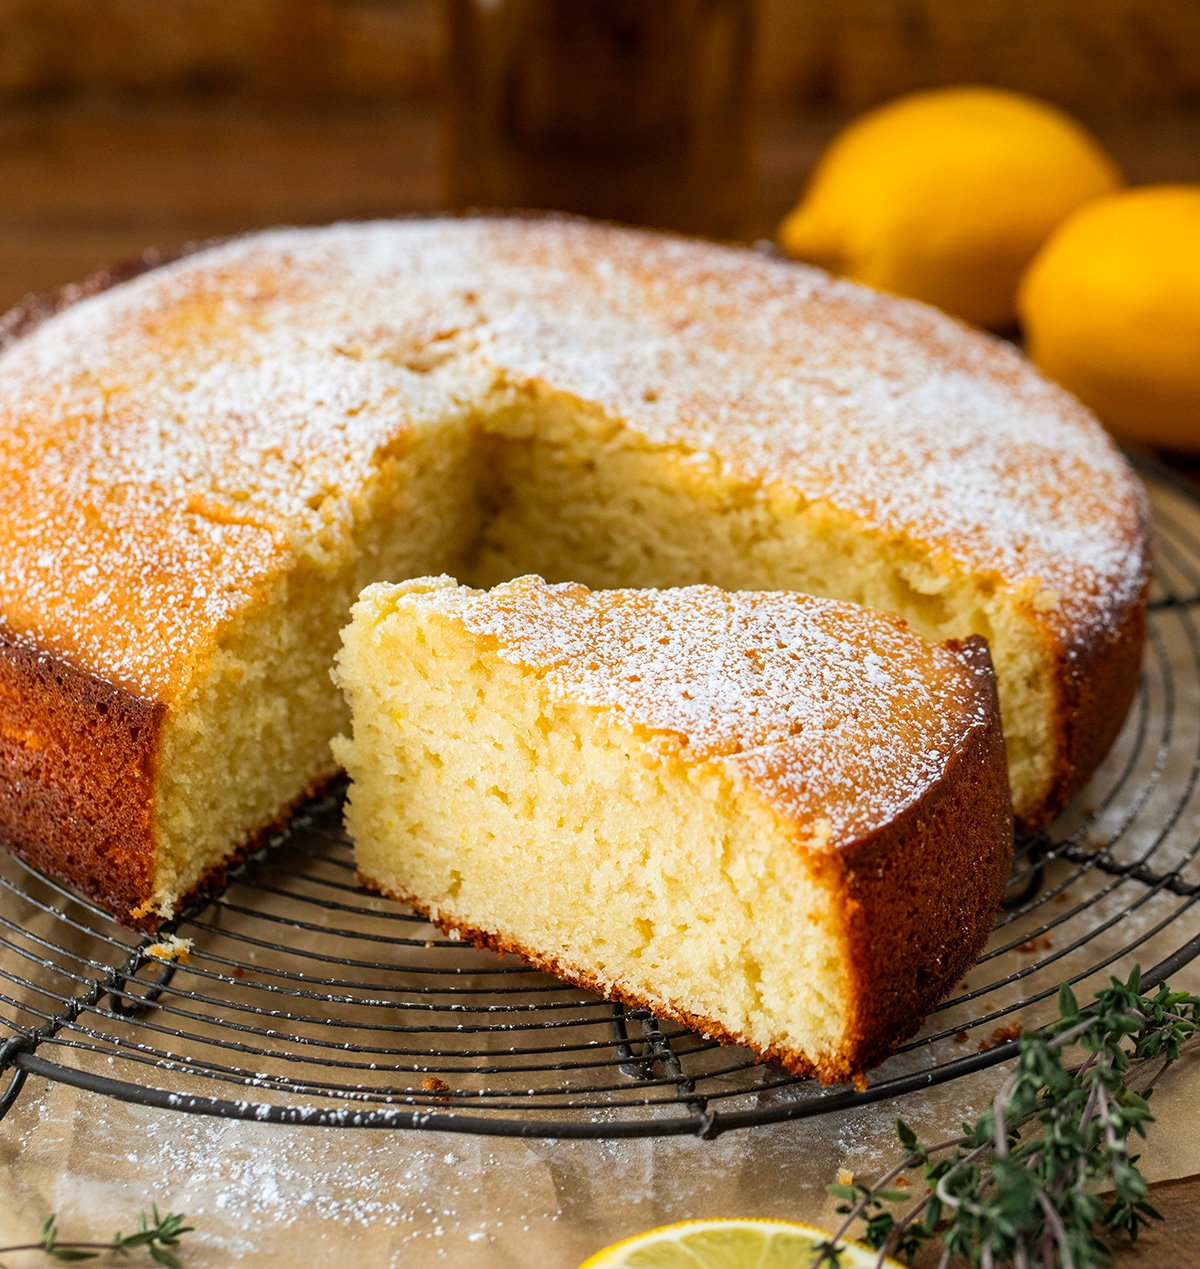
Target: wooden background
<point>1095,56</point>
<point>125,123</point>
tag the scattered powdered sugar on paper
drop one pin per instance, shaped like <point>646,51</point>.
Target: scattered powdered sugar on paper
<point>260,1194</point>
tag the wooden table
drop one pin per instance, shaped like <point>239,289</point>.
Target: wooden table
<point>84,187</point>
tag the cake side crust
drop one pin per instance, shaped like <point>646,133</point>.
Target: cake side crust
<point>78,758</point>
<point>1098,679</point>
<point>910,942</point>
<point>78,778</point>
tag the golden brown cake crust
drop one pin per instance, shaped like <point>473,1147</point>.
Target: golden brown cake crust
<point>77,776</point>
<point>775,686</point>
<point>923,431</point>
<point>77,770</point>
<point>77,754</point>
<point>77,779</point>
<point>911,941</point>
<point>1098,679</point>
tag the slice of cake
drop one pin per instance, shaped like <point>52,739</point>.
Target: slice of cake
<point>781,820</point>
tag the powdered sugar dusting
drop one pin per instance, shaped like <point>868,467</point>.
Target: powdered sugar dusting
<point>838,713</point>
<point>169,445</point>
<point>886,409</point>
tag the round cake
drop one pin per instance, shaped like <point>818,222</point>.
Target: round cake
<point>203,465</point>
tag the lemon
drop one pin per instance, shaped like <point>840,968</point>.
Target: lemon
<point>727,1244</point>
<point>946,196</point>
<point>1111,309</point>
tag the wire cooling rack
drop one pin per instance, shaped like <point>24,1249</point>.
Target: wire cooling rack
<point>305,1000</point>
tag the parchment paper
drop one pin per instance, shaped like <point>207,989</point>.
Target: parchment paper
<point>262,1194</point>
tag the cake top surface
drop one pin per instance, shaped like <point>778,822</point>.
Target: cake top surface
<point>167,444</point>
<point>841,716</point>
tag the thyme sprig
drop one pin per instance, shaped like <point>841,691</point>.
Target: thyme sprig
<point>156,1234</point>
<point>1044,1176</point>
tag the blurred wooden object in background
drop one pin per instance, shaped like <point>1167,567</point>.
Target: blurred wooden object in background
<point>622,109</point>
<point>1094,57</point>
<point>127,123</point>
<point>1084,54</point>
<point>265,50</point>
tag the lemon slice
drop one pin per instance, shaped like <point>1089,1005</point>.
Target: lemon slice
<point>728,1244</point>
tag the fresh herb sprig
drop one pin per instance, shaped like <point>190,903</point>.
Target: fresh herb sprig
<point>1023,1184</point>
<point>157,1235</point>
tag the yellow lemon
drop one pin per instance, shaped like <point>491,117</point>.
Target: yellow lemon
<point>946,196</point>
<point>1111,309</point>
<point>728,1244</point>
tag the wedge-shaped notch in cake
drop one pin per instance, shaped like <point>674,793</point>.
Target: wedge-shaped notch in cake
<point>783,821</point>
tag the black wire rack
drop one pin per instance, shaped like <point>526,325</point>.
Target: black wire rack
<point>305,1000</point>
